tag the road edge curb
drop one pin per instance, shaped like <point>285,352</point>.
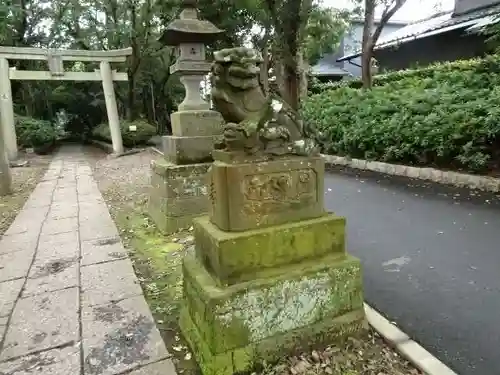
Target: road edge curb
<point>155,149</point>
<point>409,349</point>
<point>485,183</point>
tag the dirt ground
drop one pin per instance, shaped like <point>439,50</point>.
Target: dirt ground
<point>24,180</point>
<point>124,183</point>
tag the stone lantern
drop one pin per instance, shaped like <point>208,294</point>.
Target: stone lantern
<point>179,192</point>
<point>190,35</point>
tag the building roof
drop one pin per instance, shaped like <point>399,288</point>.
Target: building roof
<point>439,24</point>
<point>391,21</point>
<point>328,66</point>
<point>326,69</point>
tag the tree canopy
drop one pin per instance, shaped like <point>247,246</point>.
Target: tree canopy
<point>295,32</point>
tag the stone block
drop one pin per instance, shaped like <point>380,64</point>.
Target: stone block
<point>63,211</point>
<point>29,219</point>
<point>239,256</point>
<point>55,323</point>
<point>99,228</point>
<point>57,246</point>
<point>119,336</point>
<point>190,67</point>
<point>9,291</point>
<point>196,123</point>
<point>104,282</point>
<point>60,361</point>
<point>51,226</point>
<point>257,195</point>
<point>271,350</point>
<point>52,276</point>
<point>26,241</point>
<point>90,196</point>
<point>176,207</point>
<point>188,150</point>
<point>102,250</point>
<point>168,185</point>
<point>231,328</point>
<point>170,170</point>
<point>178,194</point>
<point>248,312</point>
<point>40,199</point>
<point>88,211</point>
<point>170,224</point>
<point>15,265</point>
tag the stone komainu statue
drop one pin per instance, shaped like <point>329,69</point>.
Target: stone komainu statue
<point>255,123</point>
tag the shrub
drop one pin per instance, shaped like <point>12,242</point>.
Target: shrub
<point>446,115</point>
<point>143,133</point>
<point>102,132</point>
<point>487,65</point>
<point>33,132</point>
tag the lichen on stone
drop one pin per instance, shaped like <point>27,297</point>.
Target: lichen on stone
<point>282,307</point>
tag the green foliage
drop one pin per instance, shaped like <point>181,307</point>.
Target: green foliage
<point>445,115</point>
<point>440,71</point>
<point>492,33</point>
<point>32,132</point>
<point>325,28</point>
<point>143,133</point>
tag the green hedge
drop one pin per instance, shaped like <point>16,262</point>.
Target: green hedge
<point>439,71</point>
<point>446,115</point>
<point>32,132</point>
<point>130,138</point>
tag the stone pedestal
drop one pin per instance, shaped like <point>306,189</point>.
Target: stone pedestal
<point>178,191</point>
<point>193,135</point>
<point>178,183</point>
<point>269,275</point>
<point>178,194</point>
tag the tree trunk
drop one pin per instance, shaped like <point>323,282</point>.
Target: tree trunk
<point>366,70</point>
<point>153,101</point>
<point>367,46</point>
<point>278,66</point>
<point>292,86</point>
<point>264,69</point>
<point>304,75</point>
<point>130,112</point>
<point>370,36</point>
<point>288,80</point>
<point>134,62</point>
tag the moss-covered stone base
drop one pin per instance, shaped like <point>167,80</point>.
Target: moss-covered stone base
<point>178,194</point>
<point>272,349</point>
<point>240,256</point>
<point>232,328</point>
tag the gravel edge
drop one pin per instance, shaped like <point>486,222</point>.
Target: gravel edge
<point>484,183</point>
<point>409,349</point>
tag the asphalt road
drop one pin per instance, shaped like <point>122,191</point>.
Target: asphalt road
<point>431,257</point>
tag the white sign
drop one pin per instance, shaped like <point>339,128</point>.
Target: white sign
<point>132,128</point>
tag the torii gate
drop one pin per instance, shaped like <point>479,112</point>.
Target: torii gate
<point>56,72</point>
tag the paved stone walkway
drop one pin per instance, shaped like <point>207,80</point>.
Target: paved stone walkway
<point>70,303</point>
